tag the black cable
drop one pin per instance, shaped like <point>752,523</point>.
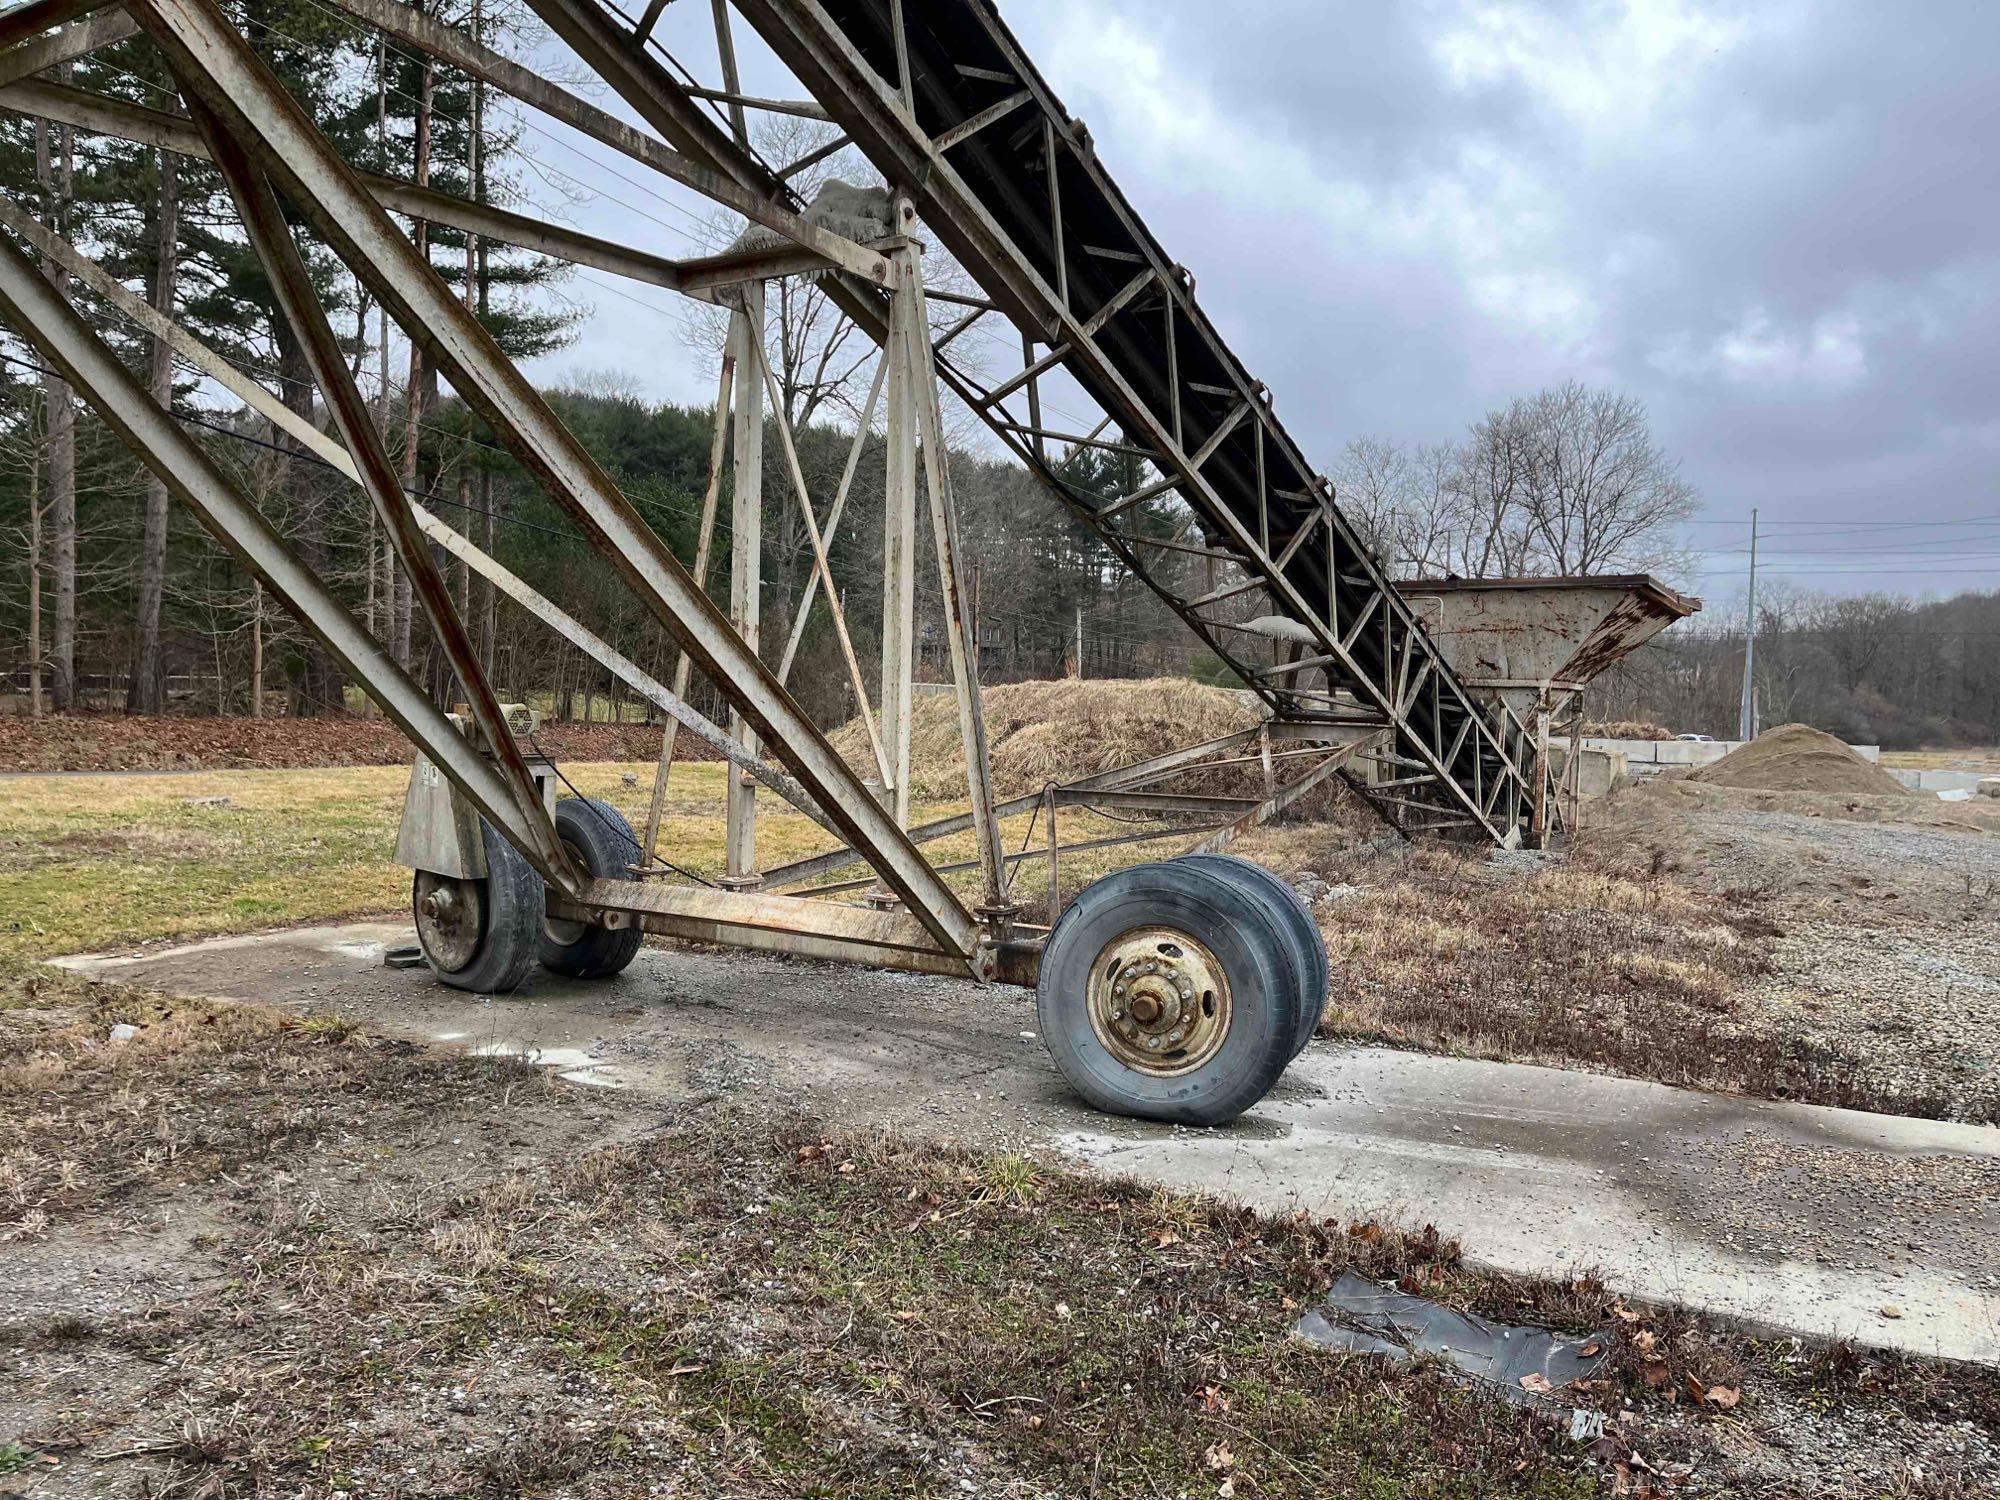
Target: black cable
<point>618,832</point>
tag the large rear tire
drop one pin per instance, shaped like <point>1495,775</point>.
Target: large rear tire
<point>603,844</point>
<point>1167,992</point>
<point>1309,948</point>
<point>480,935</point>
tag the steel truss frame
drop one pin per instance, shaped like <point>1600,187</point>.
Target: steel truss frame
<point>1437,760</point>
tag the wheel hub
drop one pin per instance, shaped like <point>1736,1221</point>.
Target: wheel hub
<point>1159,1001</point>
<point>450,917</point>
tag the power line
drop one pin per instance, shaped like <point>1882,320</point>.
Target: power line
<point>1844,526</point>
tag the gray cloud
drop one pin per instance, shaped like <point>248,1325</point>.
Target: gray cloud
<point>1775,223</point>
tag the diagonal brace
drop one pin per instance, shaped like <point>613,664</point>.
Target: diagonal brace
<point>211,60</point>
<point>58,332</point>
<point>279,254</point>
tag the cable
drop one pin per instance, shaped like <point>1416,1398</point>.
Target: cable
<point>613,828</point>
<point>1851,525</point>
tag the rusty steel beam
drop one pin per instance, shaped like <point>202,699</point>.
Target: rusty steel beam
<point>57,331</point>
<point>671,702</point>
<point>1009,234</point>
<point>210,60</point>
<point>693,277</point>
<point>20,23</point>
<point>271,239</point>
<point>693,166</point>
<point>79,39</point>
<point>770,923</point>
<point>1336,763</point>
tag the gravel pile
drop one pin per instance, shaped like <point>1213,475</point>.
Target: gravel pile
<point>1799,758</point>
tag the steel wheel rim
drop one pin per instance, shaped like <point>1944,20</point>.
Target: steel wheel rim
<point>451,918</point>
<point>1159,1001</point>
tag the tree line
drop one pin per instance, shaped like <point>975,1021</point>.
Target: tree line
<point>110,583</point>
<point>112,597</point>
<point>1870,668</point>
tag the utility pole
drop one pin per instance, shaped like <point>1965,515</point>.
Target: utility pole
<point>1746,725</point>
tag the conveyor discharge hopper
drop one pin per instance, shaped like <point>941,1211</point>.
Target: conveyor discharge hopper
<point>1538,641</point>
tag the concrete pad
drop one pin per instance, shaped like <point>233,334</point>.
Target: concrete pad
<point>1544,1171</point>
<point>1805,1218</point>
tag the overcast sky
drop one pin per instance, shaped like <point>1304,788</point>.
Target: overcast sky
<point>1776,224</point>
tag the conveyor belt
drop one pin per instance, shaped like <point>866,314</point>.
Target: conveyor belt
<point>1002,174</point>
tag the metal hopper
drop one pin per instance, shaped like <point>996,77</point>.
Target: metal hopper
<point>1534,643</point>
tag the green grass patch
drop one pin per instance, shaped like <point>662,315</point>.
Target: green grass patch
<point>89,863</point>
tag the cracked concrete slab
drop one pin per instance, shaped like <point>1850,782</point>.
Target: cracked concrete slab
<point>1807,1218</point>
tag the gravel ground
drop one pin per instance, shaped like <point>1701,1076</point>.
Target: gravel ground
<point>1846,1451</point>
<point>1886,925</point>
<point>1799,851</point>
<point>1875,859</point>
<point>1898,1201</point>
<point>1920,1004</point>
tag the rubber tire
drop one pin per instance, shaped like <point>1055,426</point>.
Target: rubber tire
<point>1247,941</point>
<point>1316,977</point>
<point>515,901</point>
<point>605,845</point>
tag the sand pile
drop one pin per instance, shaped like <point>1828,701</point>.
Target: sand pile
<point>1039,732</point>
<point>1799,758</point>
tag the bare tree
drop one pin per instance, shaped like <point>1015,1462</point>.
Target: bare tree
<point>1566,481</point>
<point>1408,503</point>
<point>146,692</point>
<point>55,168</point>
<point>1597,490</point>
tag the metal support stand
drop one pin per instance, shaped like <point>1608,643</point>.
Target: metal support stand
<point>746,523</point>
<point>915,322</point>
<point>703,543</point>
<point>1538,817</point>
<point>899,554</point>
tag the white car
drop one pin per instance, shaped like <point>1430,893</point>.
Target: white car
<point>1697,739</point>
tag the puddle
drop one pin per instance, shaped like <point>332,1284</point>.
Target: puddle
<point>573,1064</point>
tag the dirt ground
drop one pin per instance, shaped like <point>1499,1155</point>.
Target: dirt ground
<point>265,1253</point>
<point>260,1251</point>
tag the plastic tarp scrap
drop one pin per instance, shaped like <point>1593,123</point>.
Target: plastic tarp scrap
<point>1360,1316</point>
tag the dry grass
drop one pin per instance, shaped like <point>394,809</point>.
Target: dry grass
<point>87,864</point>
<point>1571,964</point>
<point>1043,732</point>
<point>94,864</point>
<point>747,1305</point>
<point>202,1089</point>
<point>1629,729</point>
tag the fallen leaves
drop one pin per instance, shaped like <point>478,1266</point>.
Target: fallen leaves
<point>106,742</point>
<point>1536,1383</point>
